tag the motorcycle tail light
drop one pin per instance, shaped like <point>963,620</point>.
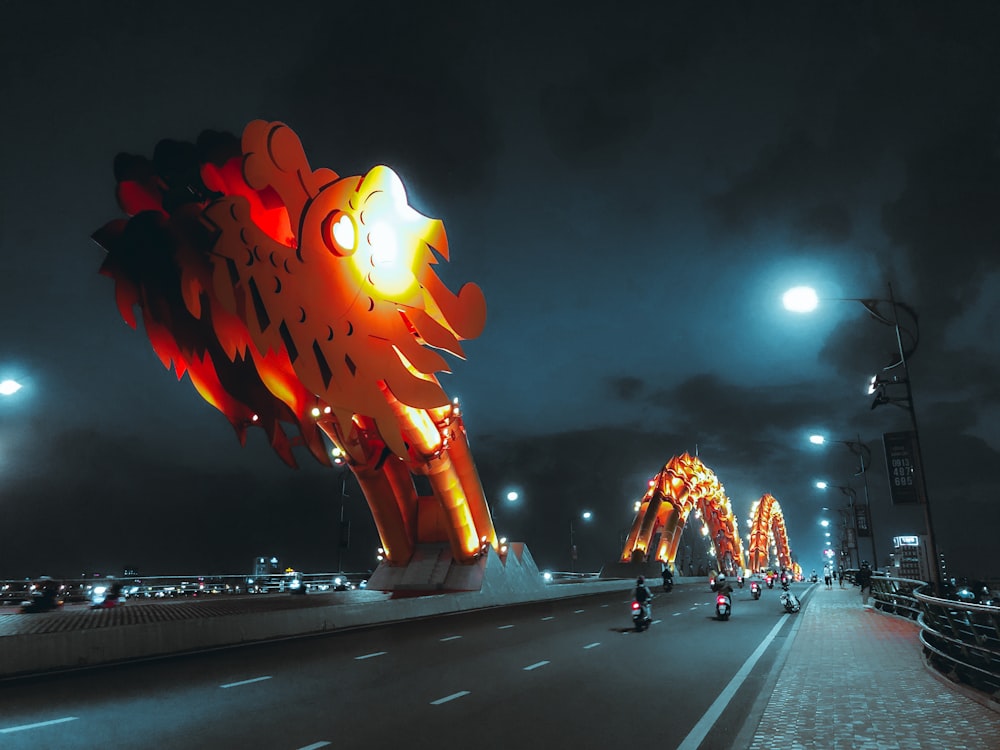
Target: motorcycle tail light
<point>721,600</point>
<point>635,606</point>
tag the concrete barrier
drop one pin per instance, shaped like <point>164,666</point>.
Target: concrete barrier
<point>24,654</point>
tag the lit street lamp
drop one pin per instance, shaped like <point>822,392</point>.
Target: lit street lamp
<point>864,454</point>
<point>805,299</point>
<point>9,387</point>
<point>853,495</point>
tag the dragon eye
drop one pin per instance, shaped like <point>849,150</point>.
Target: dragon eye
<point>339,233</point>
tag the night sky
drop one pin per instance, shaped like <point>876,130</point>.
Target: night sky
<point>633,193</point>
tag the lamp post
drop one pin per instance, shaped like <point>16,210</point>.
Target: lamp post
<point>804,299</point>
<point>845,550</point>
<point>586,516</point>
<point>864,454</point>
<point>853,497</point>
<point>343,529</point>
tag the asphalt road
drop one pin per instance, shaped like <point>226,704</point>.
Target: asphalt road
<point>559,674</point>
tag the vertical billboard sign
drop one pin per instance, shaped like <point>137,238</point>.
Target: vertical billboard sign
<point>861,520</point>
<point>901,461</point>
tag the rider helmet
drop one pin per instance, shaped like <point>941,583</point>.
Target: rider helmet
<point>721,578</point>
<point>640,580</point>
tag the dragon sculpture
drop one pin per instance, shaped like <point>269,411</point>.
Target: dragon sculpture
<point>297,298</point>
<point>767,530</point>
<point>684,485</point>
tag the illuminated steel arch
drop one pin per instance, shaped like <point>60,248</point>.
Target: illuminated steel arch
<point>297,298</point>
<point>684,485</point>
<point>767,529</point>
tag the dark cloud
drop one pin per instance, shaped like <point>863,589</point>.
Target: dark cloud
<point>626,387</point>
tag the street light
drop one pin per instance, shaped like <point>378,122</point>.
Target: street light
<point>9,387</point>
<point>853,495</point>
<point>864,454</point>
<point>804,299</point>
<point>586,516</point>
<point>344,528</point>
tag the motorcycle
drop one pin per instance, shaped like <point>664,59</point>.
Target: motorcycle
<point>739,581</point>
<point>723,606</point>
<point>789,601</point>
<point>755,589</point>
<point>668,585</point>
<point>641,616</point>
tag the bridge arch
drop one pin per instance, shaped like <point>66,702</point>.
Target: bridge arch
<point>767,529</point>
<point>684,485</point>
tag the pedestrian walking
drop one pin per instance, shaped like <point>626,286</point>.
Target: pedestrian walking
<point>827,576</point>
<point>864,580</point>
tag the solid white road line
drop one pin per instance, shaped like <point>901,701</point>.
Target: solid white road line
<point>451,638</point>
<point>700,730</point>
<point>451,697</point>
<point>536,665</point>
<point>371,655</point>
<point>316,745</point>
<point>49,723</point>
<point>244,682</point>
<point>593,645</point>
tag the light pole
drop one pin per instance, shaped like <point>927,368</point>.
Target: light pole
<point>804,299</point>
<point>344,528</point>
<point>586,516</point>
<point>853,496</point>
<point>845,550</point>
<point>864,454</point>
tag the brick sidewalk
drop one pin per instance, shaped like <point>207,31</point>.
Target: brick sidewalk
<point>854,678</point>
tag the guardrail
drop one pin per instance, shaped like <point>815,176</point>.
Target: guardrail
<point>961,640</point>
<point>14,591</point>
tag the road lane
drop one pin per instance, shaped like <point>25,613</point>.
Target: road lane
<point>591,676</point>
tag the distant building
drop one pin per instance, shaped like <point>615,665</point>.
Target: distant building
<point>265,566</point>
<point>910,557</point>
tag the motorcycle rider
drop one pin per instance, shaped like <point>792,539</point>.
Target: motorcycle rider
<point>643,595</point>
<point>721,585</point>
<point>668,578</point>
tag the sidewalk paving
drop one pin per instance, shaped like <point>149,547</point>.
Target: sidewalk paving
<point>854,678</point>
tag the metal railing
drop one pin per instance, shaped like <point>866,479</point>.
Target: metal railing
<point>960,640</point>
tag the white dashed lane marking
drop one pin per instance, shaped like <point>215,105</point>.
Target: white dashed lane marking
<point>451,697</point>
<point>536,665</point>
<point>550,617</point>
<point>244,682</point>
<point>451,638</point>
<point>504,627</point>
<point>592,645</point>
<point>371,655</point>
